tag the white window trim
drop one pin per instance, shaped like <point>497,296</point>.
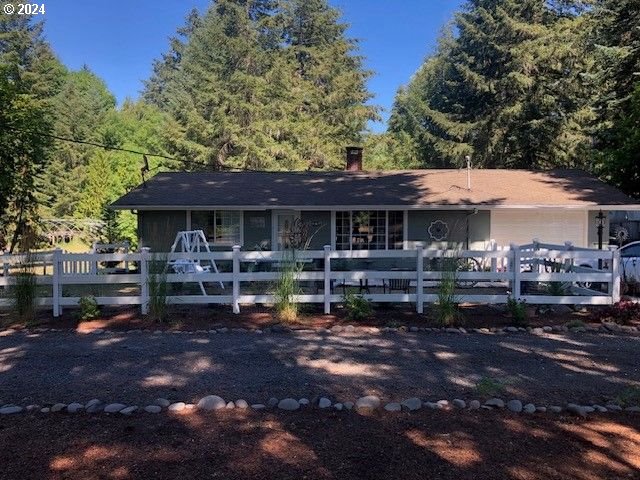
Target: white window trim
<point>274,224</point>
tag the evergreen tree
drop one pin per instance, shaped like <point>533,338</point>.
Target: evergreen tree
<point>29,77</point>
<point>508,88</point>
<point>263,84</point>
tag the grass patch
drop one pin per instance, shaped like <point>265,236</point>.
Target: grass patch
<point>158,291</point>
<point>287,287</point>
<point>576,324</point>
<point>490,387</point>
<point>629,397</point>
<point>24,291</point>
<point>446,309</point>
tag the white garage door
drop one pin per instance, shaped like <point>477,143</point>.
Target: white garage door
<point>548,226</point>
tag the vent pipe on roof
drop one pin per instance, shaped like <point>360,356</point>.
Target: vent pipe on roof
<point>354,159</point>
<point>468,159</point>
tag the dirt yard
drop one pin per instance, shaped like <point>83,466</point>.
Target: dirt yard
<point>313,445</point>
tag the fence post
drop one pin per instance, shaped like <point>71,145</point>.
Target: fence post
<point>493,247</point>
<point>615,277</point>
<point>515,258</point>
<point>5,265</point>
<point>236,278</point>
<point>327,279</point>
<point>144,280</point>
<point>55,281</point>
<point>419,278</point>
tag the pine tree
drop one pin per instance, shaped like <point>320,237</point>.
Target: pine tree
<point>29,77</point>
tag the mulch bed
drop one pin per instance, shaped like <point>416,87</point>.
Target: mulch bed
<point>197,317</point>
<point>249,445</point>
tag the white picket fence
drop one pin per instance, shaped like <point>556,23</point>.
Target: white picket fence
<point>504,273</point>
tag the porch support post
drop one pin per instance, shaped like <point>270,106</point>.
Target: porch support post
<point>327,279</point>
<point>236,279</point>
<point>144,280</point>
<point>615,277</point>
<point>55,290</point>
<point>515,261</point>
<point>419,278</point>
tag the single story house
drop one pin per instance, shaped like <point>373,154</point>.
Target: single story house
<point>375,210</point>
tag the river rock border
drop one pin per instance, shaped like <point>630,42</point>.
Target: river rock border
<point>603,328</point>
<point>369,403</point>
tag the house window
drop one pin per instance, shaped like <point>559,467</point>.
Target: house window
<point>221,227</point>
<point>369,230</point>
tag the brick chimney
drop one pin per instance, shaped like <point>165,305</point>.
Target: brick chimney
<point>354,159</point>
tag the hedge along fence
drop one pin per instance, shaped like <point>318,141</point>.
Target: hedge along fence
<point>501,274</point>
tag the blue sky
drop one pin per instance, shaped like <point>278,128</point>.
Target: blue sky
<point>119,39</point>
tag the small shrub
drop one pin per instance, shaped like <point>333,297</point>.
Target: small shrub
<point>518,310</point>
<point>358,308</point>
<point>629,397</point>
<point>89,308</point>
<point>446,309</point>
<point>24,292</point>
<point>556,289</point>
<point>489,387</point>
<point>287,287</point>
<point>623,312</point>
<point>158,290</point>
<point>575,324</point>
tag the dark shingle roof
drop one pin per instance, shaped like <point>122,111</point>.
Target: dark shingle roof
<point>411,188</point>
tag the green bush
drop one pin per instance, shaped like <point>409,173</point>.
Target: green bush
<point>518,310</point>
<point>357,307</point>
<point>89,308</point>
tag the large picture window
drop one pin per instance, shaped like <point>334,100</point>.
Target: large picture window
<point>221,227</point>
<point>369,230</point>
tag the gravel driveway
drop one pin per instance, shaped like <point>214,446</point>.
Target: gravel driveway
<point>138,367</point>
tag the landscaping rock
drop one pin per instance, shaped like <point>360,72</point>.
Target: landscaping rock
<point>304,401</point>
<point>495,403</point>
<point>511,329</point>
<point>393,407</point>
<point>474,405</point>
<point>58,407</point>
<point>529,408</point>
<point>10,410</point>
<point>432,405</point>
<point>578,410</point>
<point>349,405</point>
<point>368,402</point>
<point>350,328</point>
<point>114,407</point>
<point>414,329</point>
<point>632,409</point>
<point>555,409</point>
<point>412,404</point>
<point>211,402</point>
<point>91,403</point>
<point>338,406</point>
<point>324,402</point>
<point>459,403</point>
<point>230,406</point>
<point>162,402</point>
<point>152,409</point>
<point>45,410</point>
<point>288,404</point>
<point>31,408</point>
<point>537,331</point>
<point>272,402</point>
<point>258,406</point>
<point>242,404</point>
<point>515,406</point>
<point>129,410</point>
<point>547,329</point>
<point>600,409</point>
<point>94,408</point>
<point>612,407</point>
<point>74,407</point>
<point>177,407</point>
<point>443,404</point>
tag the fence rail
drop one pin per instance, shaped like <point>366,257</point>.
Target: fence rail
<point>408,276</point>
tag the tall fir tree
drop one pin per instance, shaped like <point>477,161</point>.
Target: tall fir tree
<point>30,76</point>
<point>507,89</point>
<point>263,84</point>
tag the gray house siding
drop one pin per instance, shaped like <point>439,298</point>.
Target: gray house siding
<point>157,229</point>
<point>479,228</point>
